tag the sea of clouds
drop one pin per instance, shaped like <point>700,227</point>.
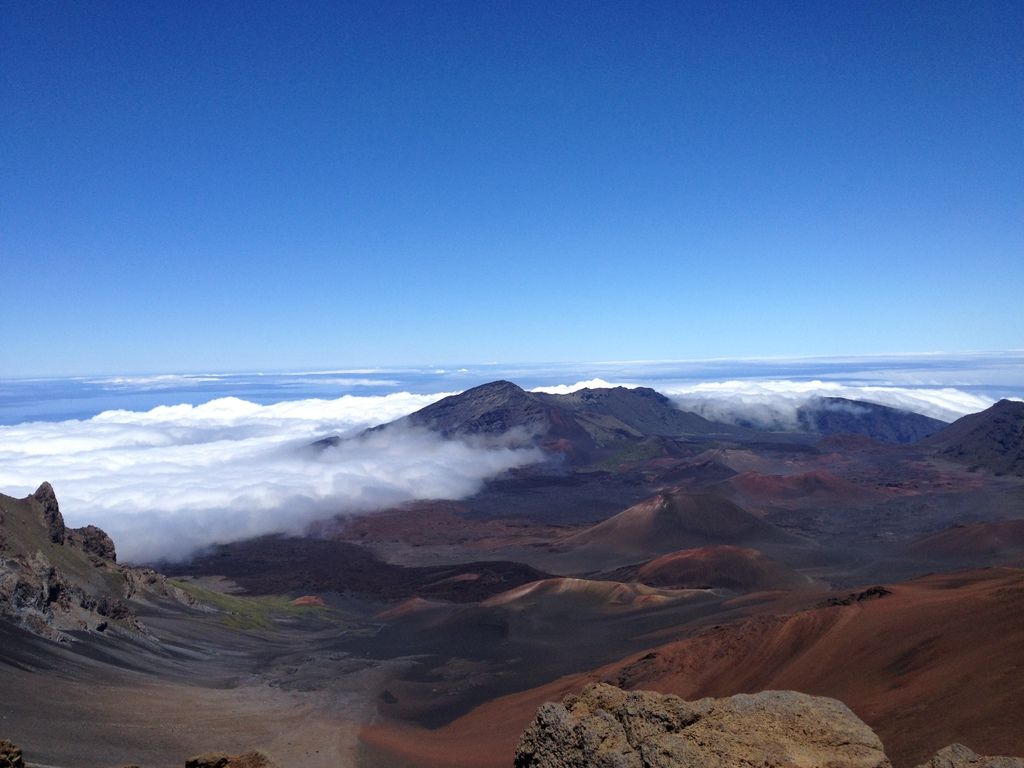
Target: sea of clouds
<point>168,480</point>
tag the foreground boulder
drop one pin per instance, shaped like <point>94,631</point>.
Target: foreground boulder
<point>605,727</point>
<point>253,759</point>
<point>10,755</point>
<point>959,756</point>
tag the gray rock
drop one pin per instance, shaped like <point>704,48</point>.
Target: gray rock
<point>959,756</point>
<point>52,517</point>
<point>606,727</point>
<point>10,755</point>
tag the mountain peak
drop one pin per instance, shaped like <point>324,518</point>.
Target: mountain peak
<point>54,520</point>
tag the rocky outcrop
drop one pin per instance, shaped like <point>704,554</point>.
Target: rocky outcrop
<point>10,755</point>
<point>606,727</point>
<point>50,509</point>
<point>42,599</point>
<point>959,756</point>
<point>55,580</point>
<point>141,583</point>
<point>252,759</point>
<point>94,542</point>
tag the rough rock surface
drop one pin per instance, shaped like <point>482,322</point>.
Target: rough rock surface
<point>93,541</point>
<point>252,759</point>
<point>10,755</point>
<point>55,580</point>
<point>959,756</point>
<point>50,510</point>
<point>605,727</point>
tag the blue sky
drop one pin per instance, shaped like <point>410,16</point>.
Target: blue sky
<point>228,186</point>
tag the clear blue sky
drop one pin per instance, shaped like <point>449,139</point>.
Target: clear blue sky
<point>195,186</point>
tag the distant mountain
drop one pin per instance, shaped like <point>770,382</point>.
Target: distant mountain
<point>839,415</point>
<point>992,439</point>
<point>585,425</point>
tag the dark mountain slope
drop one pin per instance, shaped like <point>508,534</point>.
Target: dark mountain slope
<point>587,425</point>
<point>490,409</point>
<point>992,439</point>
<point>277,564</point>
<point>838,415</point>
<point>639,410</point>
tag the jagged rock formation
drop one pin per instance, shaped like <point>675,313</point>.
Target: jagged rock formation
<point>959,756</point>
<point>55,579</point>
<point>50,510</point>
<point>606,727</point>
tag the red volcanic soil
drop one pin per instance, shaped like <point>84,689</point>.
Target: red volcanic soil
<point>807,485</point>
<point>309,600</point>
<point>725,566</point>
<point>670,521</point>
<point>1002,540</point>
<point>432,524</point>
<point>939,660</point>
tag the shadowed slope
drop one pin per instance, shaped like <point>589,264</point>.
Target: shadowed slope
<point>839,415</point>
<point>992,439</point>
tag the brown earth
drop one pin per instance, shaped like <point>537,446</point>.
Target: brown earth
<point>1003,540</point>
<point>810,486</point>
<point>669,521</point>
<point>723,566</point>
<point>938,661</point>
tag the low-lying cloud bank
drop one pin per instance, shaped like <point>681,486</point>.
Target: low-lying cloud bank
<point>774,404</point>
<point>167,481</point>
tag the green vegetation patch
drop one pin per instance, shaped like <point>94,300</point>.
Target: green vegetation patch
<point>248,613</point>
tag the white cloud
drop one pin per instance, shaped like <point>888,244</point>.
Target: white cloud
<point>773,403</point>
<point>166,481</point>
<point>567,389</point>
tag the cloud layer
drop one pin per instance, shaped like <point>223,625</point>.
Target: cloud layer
<point>773,404</point>
<point>166,481</point>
